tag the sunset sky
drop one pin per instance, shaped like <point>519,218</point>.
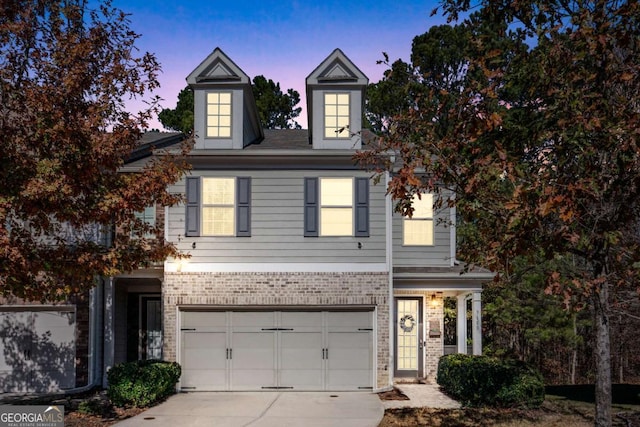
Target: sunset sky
<point>282,40</point>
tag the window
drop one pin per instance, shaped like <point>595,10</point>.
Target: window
<point>336,207</point>
<point>218,114</point>
<point>218,206</point>
<point>218,203</point>
<point>336,115</point>
<point>418,230</point>
<point>148,216</point>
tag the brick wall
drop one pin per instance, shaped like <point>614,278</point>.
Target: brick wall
<point>279,289</point>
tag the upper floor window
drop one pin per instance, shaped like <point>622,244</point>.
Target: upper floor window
<point>147,216</point>
<point>336,207</point>
<point>336,115</point>
<point>418,230</point>
<point>218,206</point>
<point>218,114</point>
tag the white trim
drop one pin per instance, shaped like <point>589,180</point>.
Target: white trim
<point>388,204</point>
<point>452,234</point>
<point>185,266</point>
<point>166,222</point>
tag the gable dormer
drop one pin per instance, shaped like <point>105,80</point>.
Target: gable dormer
<point>335,102</point>
<point>225,112</point>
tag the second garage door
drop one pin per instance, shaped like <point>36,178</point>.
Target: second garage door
<point>266,350</point>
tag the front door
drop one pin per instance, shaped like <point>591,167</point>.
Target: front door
<point>408,331</point>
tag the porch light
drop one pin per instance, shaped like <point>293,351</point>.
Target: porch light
<point>434,301</point>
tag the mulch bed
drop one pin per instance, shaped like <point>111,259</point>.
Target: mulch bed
<point>394,394</point>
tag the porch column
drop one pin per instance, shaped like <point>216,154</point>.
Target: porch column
<point>461,323</point>
<point>476,320</point>
<point>109,344</point>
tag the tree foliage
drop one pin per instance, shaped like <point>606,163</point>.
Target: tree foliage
<point>65,74</point>
<point>276,109</point>
<point>180,118</point>
<point>542,152</point>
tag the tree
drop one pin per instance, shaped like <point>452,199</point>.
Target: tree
<point>543,151</point>
<point>180,118</point>
<point>277,110</point>
<point>65,74</point>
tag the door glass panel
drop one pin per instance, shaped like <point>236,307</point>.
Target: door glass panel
<point>407,338</point>
<point>154,330</point>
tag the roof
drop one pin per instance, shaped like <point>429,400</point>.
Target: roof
<point>295,139</point>
<point>284,139</point>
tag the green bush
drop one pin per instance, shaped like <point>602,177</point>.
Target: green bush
<point>489,381</point>
<point>142,383</point>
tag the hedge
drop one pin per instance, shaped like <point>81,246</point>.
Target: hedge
<point>489,381</point>
<point>142,383</point>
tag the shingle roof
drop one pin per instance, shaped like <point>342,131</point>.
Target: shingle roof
<point>288,139</point>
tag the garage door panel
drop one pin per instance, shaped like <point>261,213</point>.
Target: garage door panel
<point>350,360</point>
<point>302,320</point>
<point>301,350</point>
<point>349,321</point>
<point>253,364</point>
<point>252,320</point>
<point>204,321</point>
<point>203,350</point>
<point>301,363</point>
<point>204,379</point>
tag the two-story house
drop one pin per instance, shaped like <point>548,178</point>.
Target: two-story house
<point>300,275</point>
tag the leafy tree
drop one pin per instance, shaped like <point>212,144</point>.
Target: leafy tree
<point>277,110</point>
<point>180,118</point>
<point>65,74</point>
<point>543,149</point>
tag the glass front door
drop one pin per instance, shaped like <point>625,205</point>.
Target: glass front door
<point>408,327</point>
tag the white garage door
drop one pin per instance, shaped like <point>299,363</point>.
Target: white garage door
<point>37,349</point>
<point>288,350</point>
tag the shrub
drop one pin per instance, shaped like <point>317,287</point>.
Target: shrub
<point>142,383</point>
<point>489,381</point>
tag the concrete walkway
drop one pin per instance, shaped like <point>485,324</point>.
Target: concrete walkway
<point>422,395</point>
<point>263,409</point>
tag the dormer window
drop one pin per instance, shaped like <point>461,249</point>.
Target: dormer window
<point>218,114</point>
<point>336,116</point>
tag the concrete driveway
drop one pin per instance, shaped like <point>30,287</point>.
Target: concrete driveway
<point>263,409</point>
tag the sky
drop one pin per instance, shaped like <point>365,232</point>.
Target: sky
<point>282,40</point>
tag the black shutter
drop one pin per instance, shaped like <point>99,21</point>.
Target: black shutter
<point>192,214</point>
<point>243,207</point>
<point>362,207</point>
<point>311,226</point>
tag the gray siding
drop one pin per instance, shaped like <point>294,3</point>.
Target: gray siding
<point>277,225</point>
<point>417,256</point>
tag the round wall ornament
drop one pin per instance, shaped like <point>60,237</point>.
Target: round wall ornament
<point>407,322</point>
